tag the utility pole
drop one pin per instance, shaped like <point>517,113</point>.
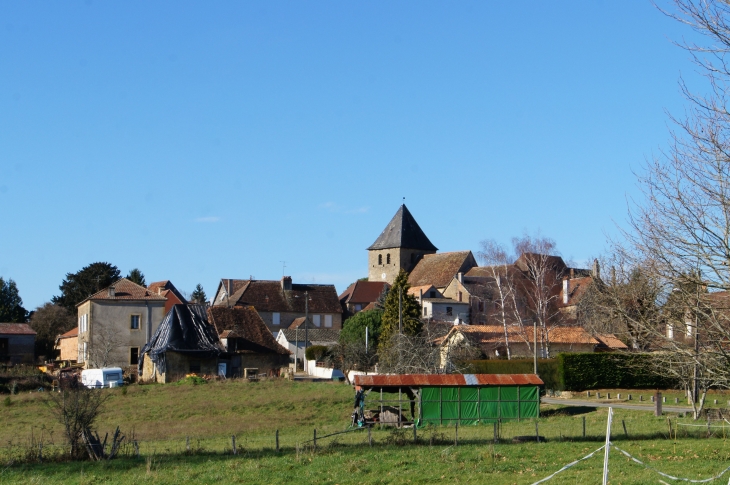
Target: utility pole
<point>306,329</point>
<point>534,346</point>
<point>400,309</point>
<point>296,348</point>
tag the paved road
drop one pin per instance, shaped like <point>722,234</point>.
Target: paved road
<point>617,405</point>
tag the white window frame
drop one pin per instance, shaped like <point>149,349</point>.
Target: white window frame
<point>276,318</point>
<point>84,323</point>
<point>328,321</point>
<point>317,320</point>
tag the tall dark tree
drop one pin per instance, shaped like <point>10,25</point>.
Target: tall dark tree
<point>136,276</point>
<point>399,303</point>
<point>11,305</point>
<point>198,295</point>
<point>49,321</point>
<point>84,283</point>
<point>353,330</point>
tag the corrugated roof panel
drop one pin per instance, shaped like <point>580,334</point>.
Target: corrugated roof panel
<point>417,380</point>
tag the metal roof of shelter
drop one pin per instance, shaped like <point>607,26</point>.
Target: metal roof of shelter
<point>424,380</point>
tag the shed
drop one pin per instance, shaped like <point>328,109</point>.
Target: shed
<point>184,343</point>
<point>462,398</point>
<point>17,343</point>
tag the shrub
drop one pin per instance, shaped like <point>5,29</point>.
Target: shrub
<point>191,380</point>
<point>579,372</point>
<point>316,352</point>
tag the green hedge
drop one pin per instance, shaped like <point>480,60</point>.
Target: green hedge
<point>579,372</point>
<point>547,369</point>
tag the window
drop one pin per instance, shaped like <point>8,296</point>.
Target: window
<point>134,322</point>
<point>387,258</point>
<point>380,259</point>
<point>449,310</point>
<point>425,311</point>
<point>134,356</point>
<point>195,367</point>
<point>358,307</point>
<point>432,294</point>
<point>276,318</point>
<point>689,329</point>
<point>82,352</point>
<point>83,323</point>
<point>460,296</point>
<point>328,321</point>
<point>316,319</point>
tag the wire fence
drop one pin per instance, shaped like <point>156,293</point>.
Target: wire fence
<point>44,446</point>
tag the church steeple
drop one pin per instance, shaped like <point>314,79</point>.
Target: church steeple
<point>403,232</point>
<point>400,246</point>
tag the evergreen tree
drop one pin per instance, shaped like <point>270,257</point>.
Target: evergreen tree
<point>49,321</point>
<point>136,276</point>
<point>11,305</point>
<point>79,286</point>
<point>198,295</point>
<point>411,310</point>
<point>380,302</point>
<point>353,330</point>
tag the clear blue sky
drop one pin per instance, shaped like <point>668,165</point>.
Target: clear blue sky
<point>207,140</point>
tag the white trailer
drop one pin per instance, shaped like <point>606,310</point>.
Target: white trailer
<point>106,377</point>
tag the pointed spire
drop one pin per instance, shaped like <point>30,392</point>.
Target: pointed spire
<point>403,232</point>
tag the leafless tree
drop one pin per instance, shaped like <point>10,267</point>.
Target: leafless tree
<point>104,346</point>
<point>417,354</point>
<point>352,355</point>
<point>541,285</point>
<point>76,409</point>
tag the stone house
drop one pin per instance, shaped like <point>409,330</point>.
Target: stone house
<point>67,345</point>
<point>116,322</point>
<point>440,269</point>
<point>184,343</point>
<point>360,295</point>
<point>247,341</point>
<point>17,343</point>
<point>279,303</point>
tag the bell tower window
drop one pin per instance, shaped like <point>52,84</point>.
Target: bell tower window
<point>380,259</point>
<point>387,258</point>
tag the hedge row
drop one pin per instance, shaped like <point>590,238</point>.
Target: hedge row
<point>547,369</point>
<point>582,371</point>
<point>579,372</point>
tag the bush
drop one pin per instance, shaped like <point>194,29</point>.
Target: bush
<point>316,352</point>
<point>191,380</point>
<point>579,372</point>
<point>547,369</point>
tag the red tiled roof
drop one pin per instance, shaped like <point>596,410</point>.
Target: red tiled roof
<point>576,289</point>
<point>16,329</point>
<point>363,291</point>
<point>74,332</point>
<point>125,290</point>
<point>610,341</point>
<point>244,323</point>
<point>417,380</point>
<point>268,296</point>
<point>439,269</point>
<point>486,334</point>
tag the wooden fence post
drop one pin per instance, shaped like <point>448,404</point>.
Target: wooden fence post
<point>584,427</point>
<point>623,423</point>
<point>456,434</point>
<point>136,448</point>
<point>233,444</point>
<point>277,440</point>
<point>315,438</point>
<point>415,436</point>
<point>537,432</point>
<point>370,436</point>
<point>187,443</point>
<point>496,438</point>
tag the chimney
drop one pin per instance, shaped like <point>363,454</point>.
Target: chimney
<point>111,292</point>
<point>596,269</point>
<point>420,296</point>
<point>159,290</point>
<point>566,290</point>
<point>286,283</point>
<point>572,273</point>
<point>460,277</point>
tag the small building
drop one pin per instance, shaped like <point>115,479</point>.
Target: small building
<point>439,269</point>
<point>360,295</point>
<point>184,343</point>
<point>448,399</point>
<point>67,345</point>
<point>17,343</point>
<point>167,289</point>
<point>247,341</point>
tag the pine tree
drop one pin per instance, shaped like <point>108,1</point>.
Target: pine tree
<point>136,276</point>
<point>198,295</point>
<point>411,310</point>
<point>76,287</point>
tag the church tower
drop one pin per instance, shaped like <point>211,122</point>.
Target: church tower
<point>400,246</point>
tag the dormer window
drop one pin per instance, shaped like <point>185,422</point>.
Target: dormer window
<point>387,259</point>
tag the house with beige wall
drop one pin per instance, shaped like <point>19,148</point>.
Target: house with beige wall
<point>116,322</point>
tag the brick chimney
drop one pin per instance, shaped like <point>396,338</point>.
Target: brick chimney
<point>286,283</point>
<point>596,272</point>
<point>111,291</point>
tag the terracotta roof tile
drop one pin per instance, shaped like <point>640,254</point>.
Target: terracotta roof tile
<point>74,332</point>
<point>125,290</point>
<point>610,341</point>
<point>439,269</point>
<point>16,329</point>
<point>486,334</point>
<point>268,296</point>
<point>363,292</point>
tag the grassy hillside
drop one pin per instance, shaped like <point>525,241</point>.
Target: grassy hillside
<point>163,416</point>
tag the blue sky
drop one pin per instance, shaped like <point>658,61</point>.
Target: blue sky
<point>207,140</point>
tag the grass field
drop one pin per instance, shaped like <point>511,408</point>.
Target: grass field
<point>162,417</point>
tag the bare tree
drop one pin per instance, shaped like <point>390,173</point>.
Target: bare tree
<point>413,354</point>
<point>104,346</point>
<point>541,286</point>
<point>76,409</point>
